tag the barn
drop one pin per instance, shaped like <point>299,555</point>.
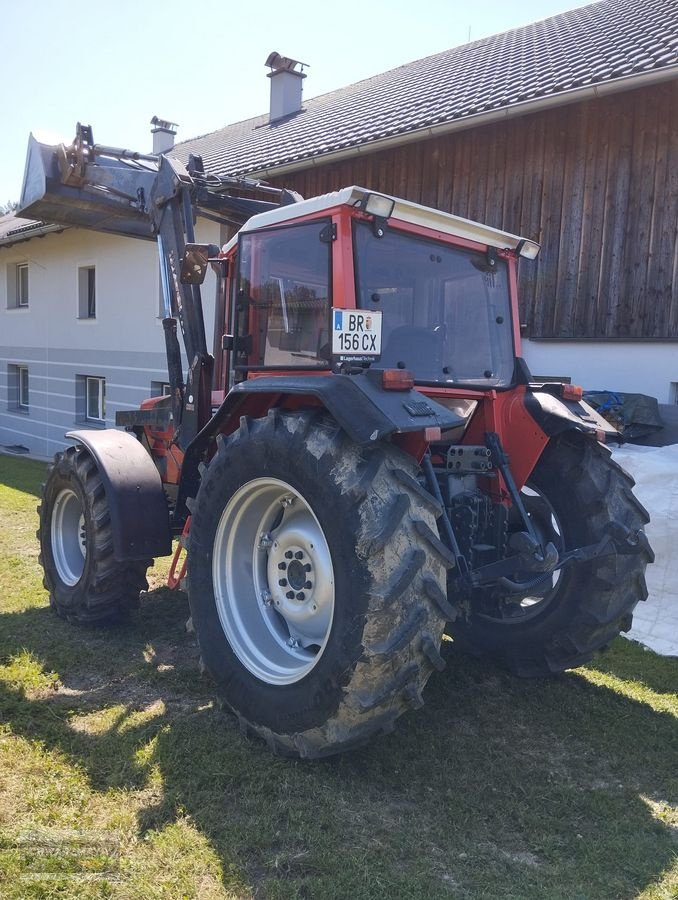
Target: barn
<point>564,131</point>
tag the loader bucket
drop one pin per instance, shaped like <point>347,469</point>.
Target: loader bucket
<point>46,198</point>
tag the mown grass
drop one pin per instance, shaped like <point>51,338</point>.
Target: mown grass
<point>120,777</point>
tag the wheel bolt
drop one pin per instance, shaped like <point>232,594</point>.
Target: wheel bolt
<point>301,596</point>
<point>298,555</point>
<point>290,595</point>
<point>308,585</point>
<point>289,554</point>
<point>293,642</point>
<point>307,567</point>
<point>282,565</point>
<point>282,582</point>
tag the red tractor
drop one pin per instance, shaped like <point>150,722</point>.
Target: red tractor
<point>362,465</point>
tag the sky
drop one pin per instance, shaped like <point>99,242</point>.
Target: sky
<point>115,65</point>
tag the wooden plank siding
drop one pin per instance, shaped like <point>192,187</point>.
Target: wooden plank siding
<point>596,183</point>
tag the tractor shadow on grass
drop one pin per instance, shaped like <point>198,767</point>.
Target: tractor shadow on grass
<point>496,788</point>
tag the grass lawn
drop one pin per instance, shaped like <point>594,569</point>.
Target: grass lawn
<point>120,777</point>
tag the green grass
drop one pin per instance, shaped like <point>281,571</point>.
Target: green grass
<point>120,777</point>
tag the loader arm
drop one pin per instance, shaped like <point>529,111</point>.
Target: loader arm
<point>152,197</point>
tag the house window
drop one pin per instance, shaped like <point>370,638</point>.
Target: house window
<point>22,385</point>
<point>87,298</point>
<point>17,384</point>
<point>22,284</point>
<point>95,399</point>
<point>17,285</point>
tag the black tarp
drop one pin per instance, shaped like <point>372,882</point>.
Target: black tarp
<point>635,415</point>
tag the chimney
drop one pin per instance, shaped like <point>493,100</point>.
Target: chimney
<point>286,85</point>
<point>163,134</point>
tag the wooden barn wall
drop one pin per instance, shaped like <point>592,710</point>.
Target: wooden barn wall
<point>596,183</point>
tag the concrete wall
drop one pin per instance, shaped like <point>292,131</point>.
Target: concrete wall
<point>124,343</point>
<point>631,367</point>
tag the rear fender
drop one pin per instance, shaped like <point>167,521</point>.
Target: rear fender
<point>358,403</point>
<point>134,491</point>
<point>551,417</point>
<point>555,416</point>
<point>526,419</point>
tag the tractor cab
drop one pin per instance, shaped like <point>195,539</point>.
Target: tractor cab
<point>354,280</point>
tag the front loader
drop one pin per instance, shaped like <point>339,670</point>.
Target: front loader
<point>361,465</point>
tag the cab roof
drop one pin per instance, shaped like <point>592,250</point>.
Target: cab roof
<point>403,211</point>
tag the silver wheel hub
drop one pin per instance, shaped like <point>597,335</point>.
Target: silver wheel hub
<point>68,537</point>
<point>273,581</point>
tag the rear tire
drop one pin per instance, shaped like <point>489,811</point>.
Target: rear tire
<point>588,603</point>
<point>316,667</point>
<point>85,583</point>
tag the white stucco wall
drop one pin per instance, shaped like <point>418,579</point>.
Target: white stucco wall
<point>125,273</point>
<point>124,343</point>
<point>631,367</point>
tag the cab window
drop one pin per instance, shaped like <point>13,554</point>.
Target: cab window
<point>284,280</point>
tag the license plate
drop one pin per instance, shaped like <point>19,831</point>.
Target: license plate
<point>356,334</point>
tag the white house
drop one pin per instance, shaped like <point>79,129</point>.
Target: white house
<point>80,330</point>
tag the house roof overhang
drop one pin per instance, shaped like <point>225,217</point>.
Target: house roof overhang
<point>24,230</point>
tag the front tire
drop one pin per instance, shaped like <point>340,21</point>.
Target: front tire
<point>574,493</point>
<point>316,583</point>
<point>86,583</point>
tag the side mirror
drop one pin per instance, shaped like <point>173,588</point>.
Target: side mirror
<point>195,260</point>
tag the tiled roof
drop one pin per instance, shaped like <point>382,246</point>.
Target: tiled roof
<point>14,229</point>
<point>593,45</point>
<point>9,223</point>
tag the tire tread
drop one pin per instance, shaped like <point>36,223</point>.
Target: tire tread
<point>110,588</point>
<point>405,610</point>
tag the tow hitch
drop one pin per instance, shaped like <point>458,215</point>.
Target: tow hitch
<point>530,554</point>
<point>616,540</point>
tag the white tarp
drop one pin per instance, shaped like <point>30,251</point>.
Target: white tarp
<point>655,469</point>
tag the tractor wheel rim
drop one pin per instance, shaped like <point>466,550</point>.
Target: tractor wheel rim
<point>68,537</point>
<point>549,528</point>
<point>273,581</point>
